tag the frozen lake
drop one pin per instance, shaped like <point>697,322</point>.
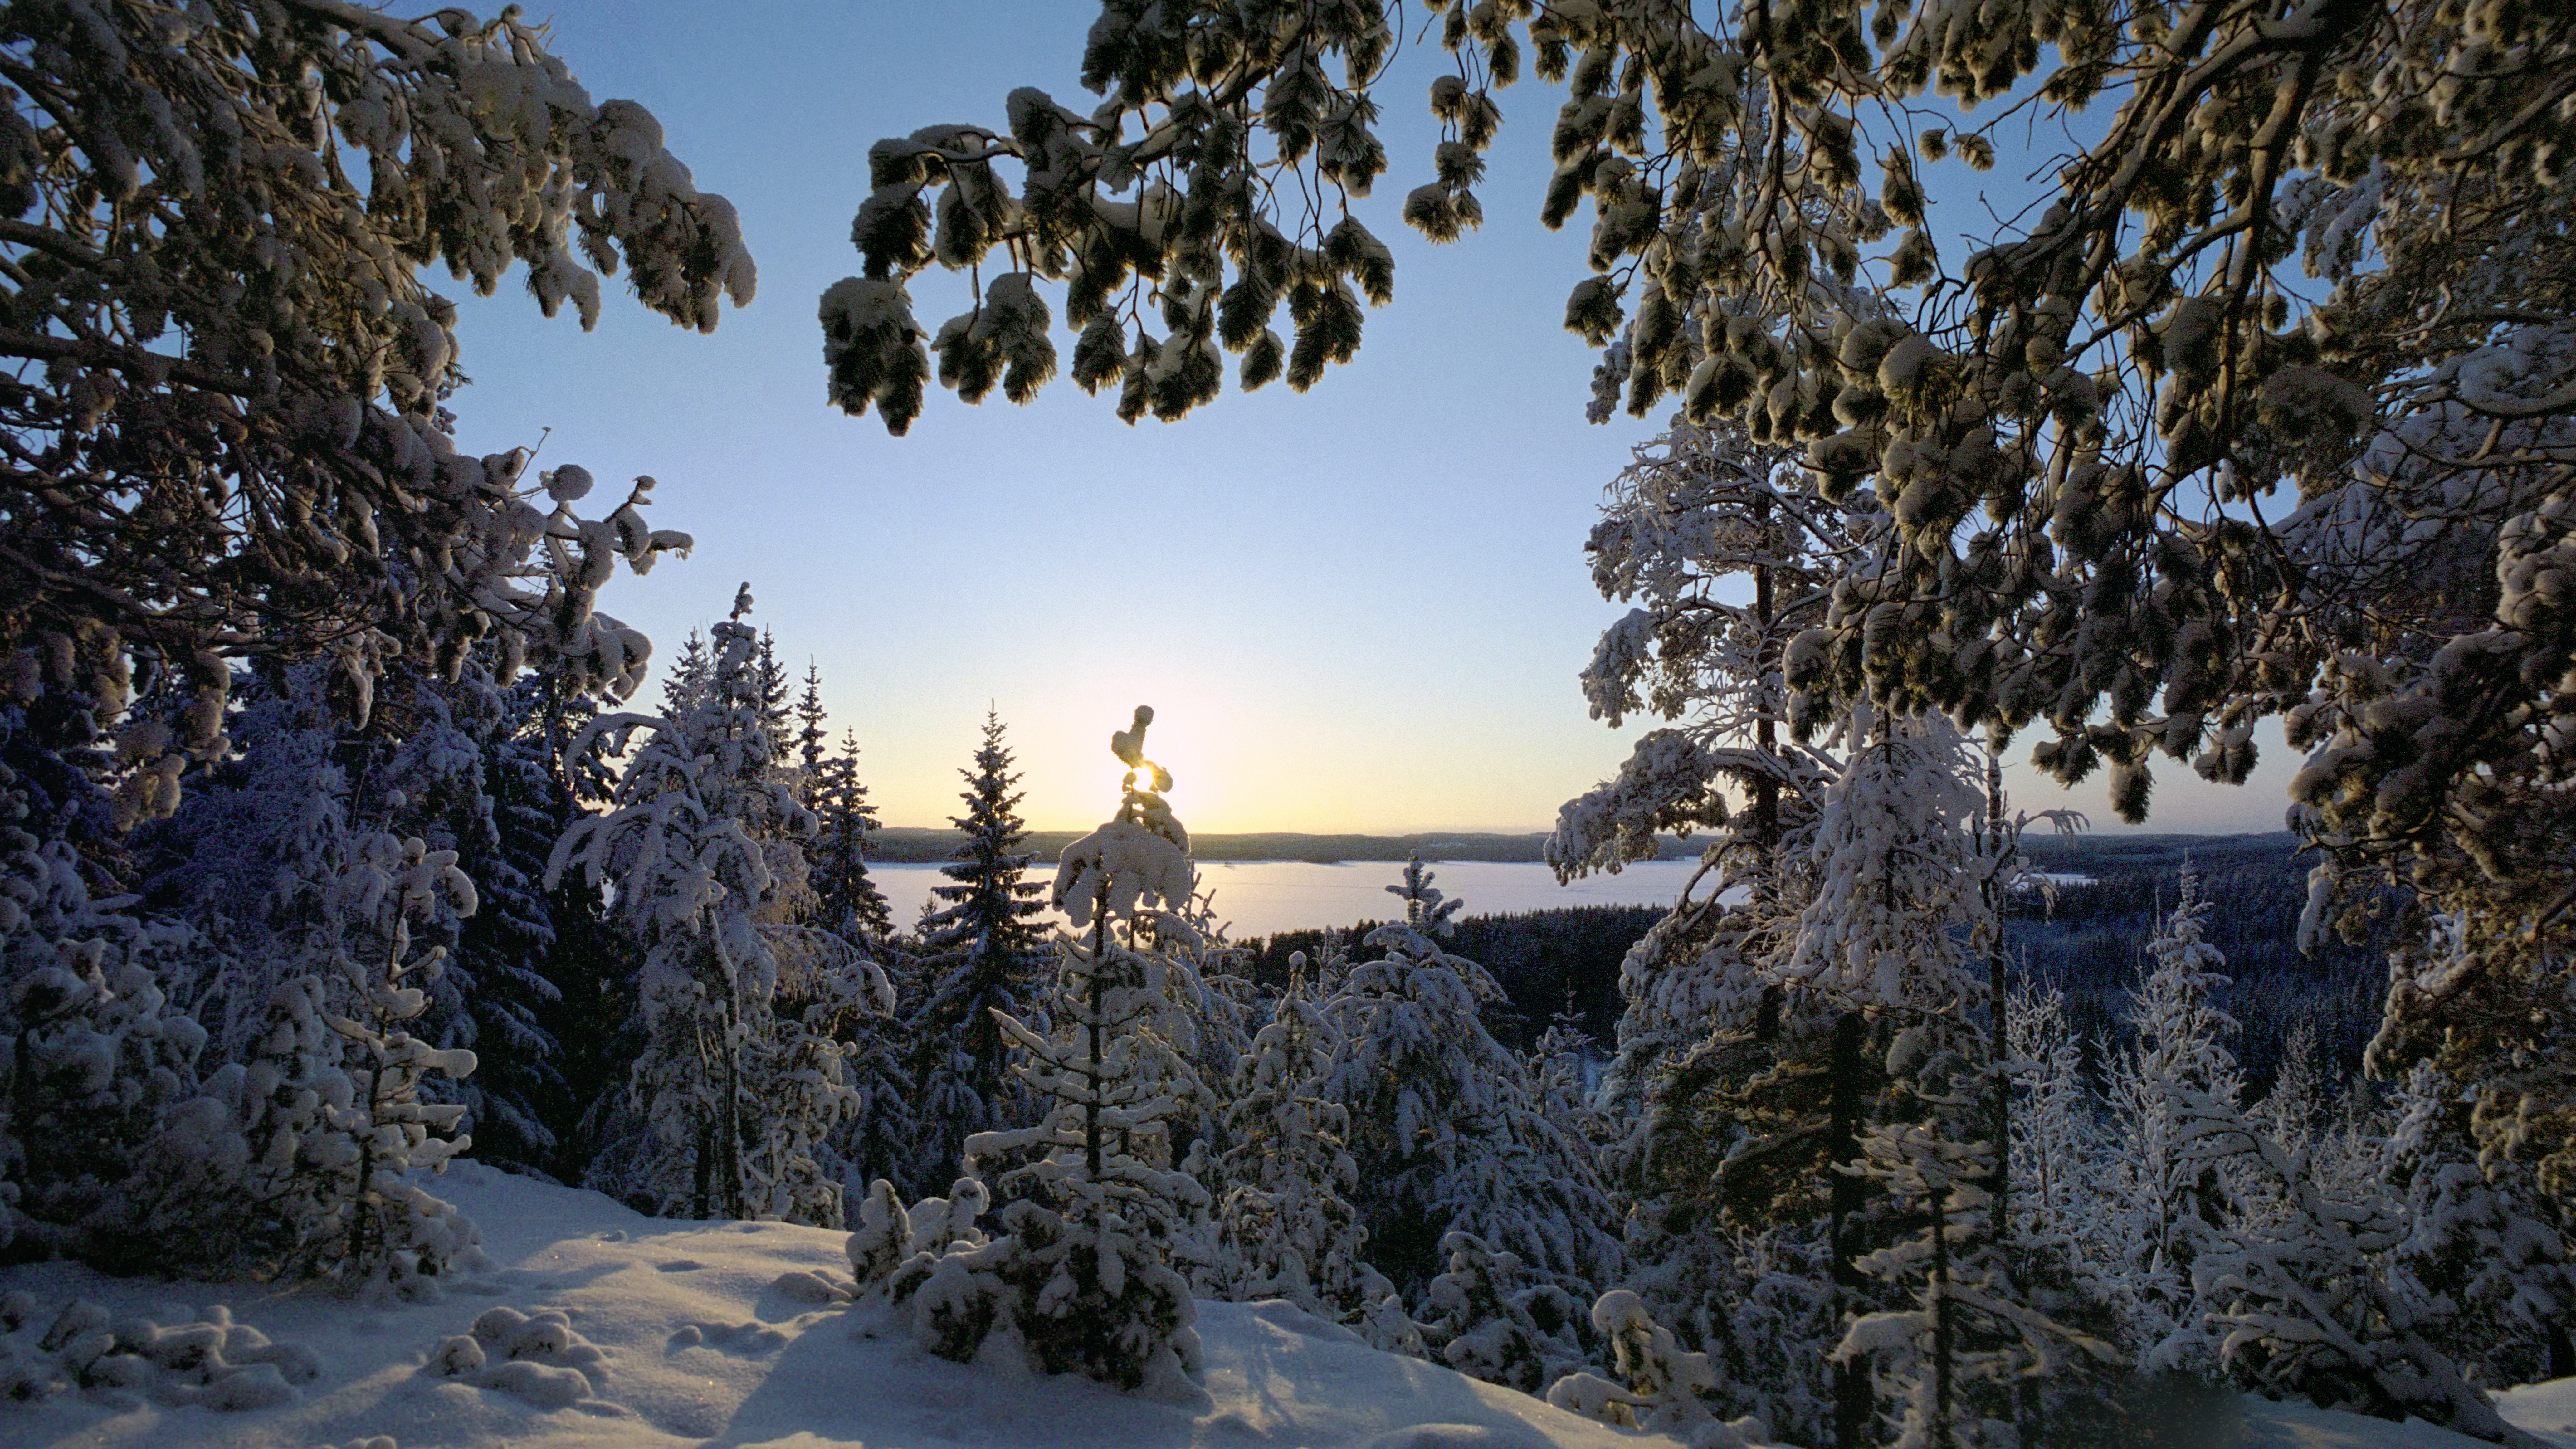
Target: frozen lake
<point>1263,897</point>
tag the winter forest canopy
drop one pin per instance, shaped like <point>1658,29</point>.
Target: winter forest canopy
<point>341,834</point>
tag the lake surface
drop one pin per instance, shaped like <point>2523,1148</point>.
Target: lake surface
<point>1264,897</point>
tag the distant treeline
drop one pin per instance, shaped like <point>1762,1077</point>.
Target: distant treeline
<point>912,845</point>
<point>2091,938</point>
<point>1535,956</point>
<point>2087,938</point>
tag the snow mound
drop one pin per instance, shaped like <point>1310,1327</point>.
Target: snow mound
<point>119,1361</point>
<point>597,1327</point>
<point>2545,1411</point>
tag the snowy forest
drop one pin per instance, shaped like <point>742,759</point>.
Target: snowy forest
<point>398,946</point>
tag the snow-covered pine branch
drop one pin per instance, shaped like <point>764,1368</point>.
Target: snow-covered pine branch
<point>214,239</point>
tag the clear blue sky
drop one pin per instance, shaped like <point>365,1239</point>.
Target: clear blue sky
<point>1359,609</point>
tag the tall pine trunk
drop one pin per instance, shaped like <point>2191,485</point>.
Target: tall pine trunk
<point>1854,1403</point>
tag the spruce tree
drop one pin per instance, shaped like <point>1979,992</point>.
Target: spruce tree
<point>2058,1157</point>
<point>810,734</point>
<point>1445,1123</point>
<point>845,899</point>
<point>1087,1272</point>
<point>686,676</point>
<point>704,848</point>
<point>777,705</point>
<point>1286,1226</point>
<point>2166,1188</point>
<point>592,957</point>
<point>981,955</point>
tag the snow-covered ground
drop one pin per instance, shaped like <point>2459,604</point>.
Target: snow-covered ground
<point>632,1331</point>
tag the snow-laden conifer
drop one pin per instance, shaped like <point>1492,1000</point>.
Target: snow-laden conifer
<point>2164,1193</point>
<point>703,847</point>
<point>686,678</point>
<point>1699,514</point>
<point>2295,1110</point>
<point>396,1228</point>
<point>93,1052</point>
<point>1286,1227</point>
<point>2483,1246</point>
<point>1086,1270</point>
<point>845,899</point>
<point>2059,1147</point>
<point>1445,1126</point>
<point>980,955</point>
<point>1487,1322</point>
<point>502,967</point>
<point>1560,1065</point>
<point>1896,935</point>
<point>300,1156</point>
<point>1660,1387</point>
<point>256,346</point>
<point>2303,1288</point>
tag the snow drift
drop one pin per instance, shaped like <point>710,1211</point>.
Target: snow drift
<point>593,1325</point>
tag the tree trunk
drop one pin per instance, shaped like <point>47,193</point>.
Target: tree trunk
<point>1942,1430</point>
<point>2000,1180</point>
<point>1854,1403</point>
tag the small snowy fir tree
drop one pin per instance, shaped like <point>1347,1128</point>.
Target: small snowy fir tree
<point>1560,1065</point>
<point>830,1008</point>
<point>1086,1269</point>
<point>1488,1323</point>
<point>2302,1284</point>
<point>2057,1140</point>
<point>980,956</point>
<point>396,1229</point>
<point>1661,1387</point>
<point>810,736</point>
<point>845,899</point>
<point>687,676</point>
<point>2296,1107</point>
<point>777,706</point>
<point>504,965</point>
<point>298,1158</point>
<point>1286,1227</point>
<point>2163,1193</point>
<point>1445,1123</point>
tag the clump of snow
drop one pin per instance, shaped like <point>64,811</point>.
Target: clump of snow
<point>538,1358</point>
<point>1132,862</point>
<point>118,1362</point>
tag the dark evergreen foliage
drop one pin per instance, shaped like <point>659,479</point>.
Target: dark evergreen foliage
<point>845,900</point>
<point>980,953</point>
<point>2086,937</point>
